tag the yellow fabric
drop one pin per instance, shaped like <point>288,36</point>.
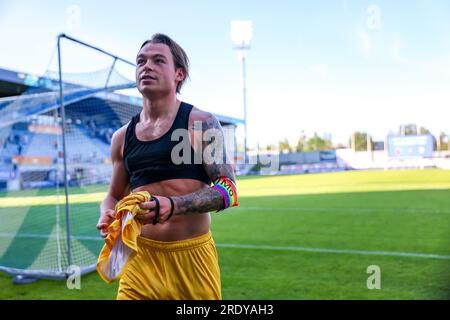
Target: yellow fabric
<point>175,270</point>
<point>121,243</point>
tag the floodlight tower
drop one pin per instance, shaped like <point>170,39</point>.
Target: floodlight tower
<point>241,35</point>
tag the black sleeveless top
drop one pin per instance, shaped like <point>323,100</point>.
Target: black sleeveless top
<point>150,161</point>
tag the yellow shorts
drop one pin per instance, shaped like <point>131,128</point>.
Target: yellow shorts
<point>176,270</point>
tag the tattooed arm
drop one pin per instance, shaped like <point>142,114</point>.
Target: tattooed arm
<point>216,164</point>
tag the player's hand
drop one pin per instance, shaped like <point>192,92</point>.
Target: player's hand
<point>106,218</point>
<point>164,210</point>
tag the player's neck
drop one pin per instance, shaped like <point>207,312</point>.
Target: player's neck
<point>159,108</point>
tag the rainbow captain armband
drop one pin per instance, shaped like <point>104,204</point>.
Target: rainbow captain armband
<point>228,190</point>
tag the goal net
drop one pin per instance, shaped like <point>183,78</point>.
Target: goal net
<point>55,160</point>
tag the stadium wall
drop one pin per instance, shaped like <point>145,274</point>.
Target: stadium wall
<point>380,160</point>
<point>348,159</point>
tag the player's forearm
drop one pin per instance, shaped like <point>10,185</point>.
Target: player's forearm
<point>204,200</point>
<point>108,203</point>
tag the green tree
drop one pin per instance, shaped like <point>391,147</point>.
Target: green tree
<point>445,141</point>
<point>423,130</point>
<point>284,146</point>
<point>269,147</point>
<point>408,129</point>
<point>317,143</point>
<point>412,129</point>
<point>360,141</point>
<point>301,144</point>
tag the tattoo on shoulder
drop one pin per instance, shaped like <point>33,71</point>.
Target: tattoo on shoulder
<point>216,164</point>
<point>216,161</point>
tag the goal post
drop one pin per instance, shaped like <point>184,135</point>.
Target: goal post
<point>55,164</point>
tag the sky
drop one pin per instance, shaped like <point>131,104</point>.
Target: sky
<point>330,67</point>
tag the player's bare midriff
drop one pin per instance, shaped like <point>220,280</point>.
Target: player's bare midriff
<point>179,227</point>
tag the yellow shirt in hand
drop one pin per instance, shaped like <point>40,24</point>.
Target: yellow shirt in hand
<point>121,243</point>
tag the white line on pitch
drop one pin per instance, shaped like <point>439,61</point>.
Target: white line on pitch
<point>44,236</point>
<point>265,247</point>
<point>361,252</point>
<point>333,209</point>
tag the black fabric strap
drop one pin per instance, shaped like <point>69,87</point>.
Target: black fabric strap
<point>172,207</point>
<point>156,219</point>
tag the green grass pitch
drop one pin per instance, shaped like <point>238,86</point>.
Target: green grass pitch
<point>298,237</point>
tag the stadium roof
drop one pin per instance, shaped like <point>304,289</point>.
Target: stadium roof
<point>15,83</point>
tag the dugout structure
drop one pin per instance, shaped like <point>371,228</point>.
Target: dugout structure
<point>55,163</point>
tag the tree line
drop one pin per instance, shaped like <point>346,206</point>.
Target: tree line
<point>359,140</point>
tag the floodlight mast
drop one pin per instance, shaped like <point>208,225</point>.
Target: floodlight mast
<point>241,35</point>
